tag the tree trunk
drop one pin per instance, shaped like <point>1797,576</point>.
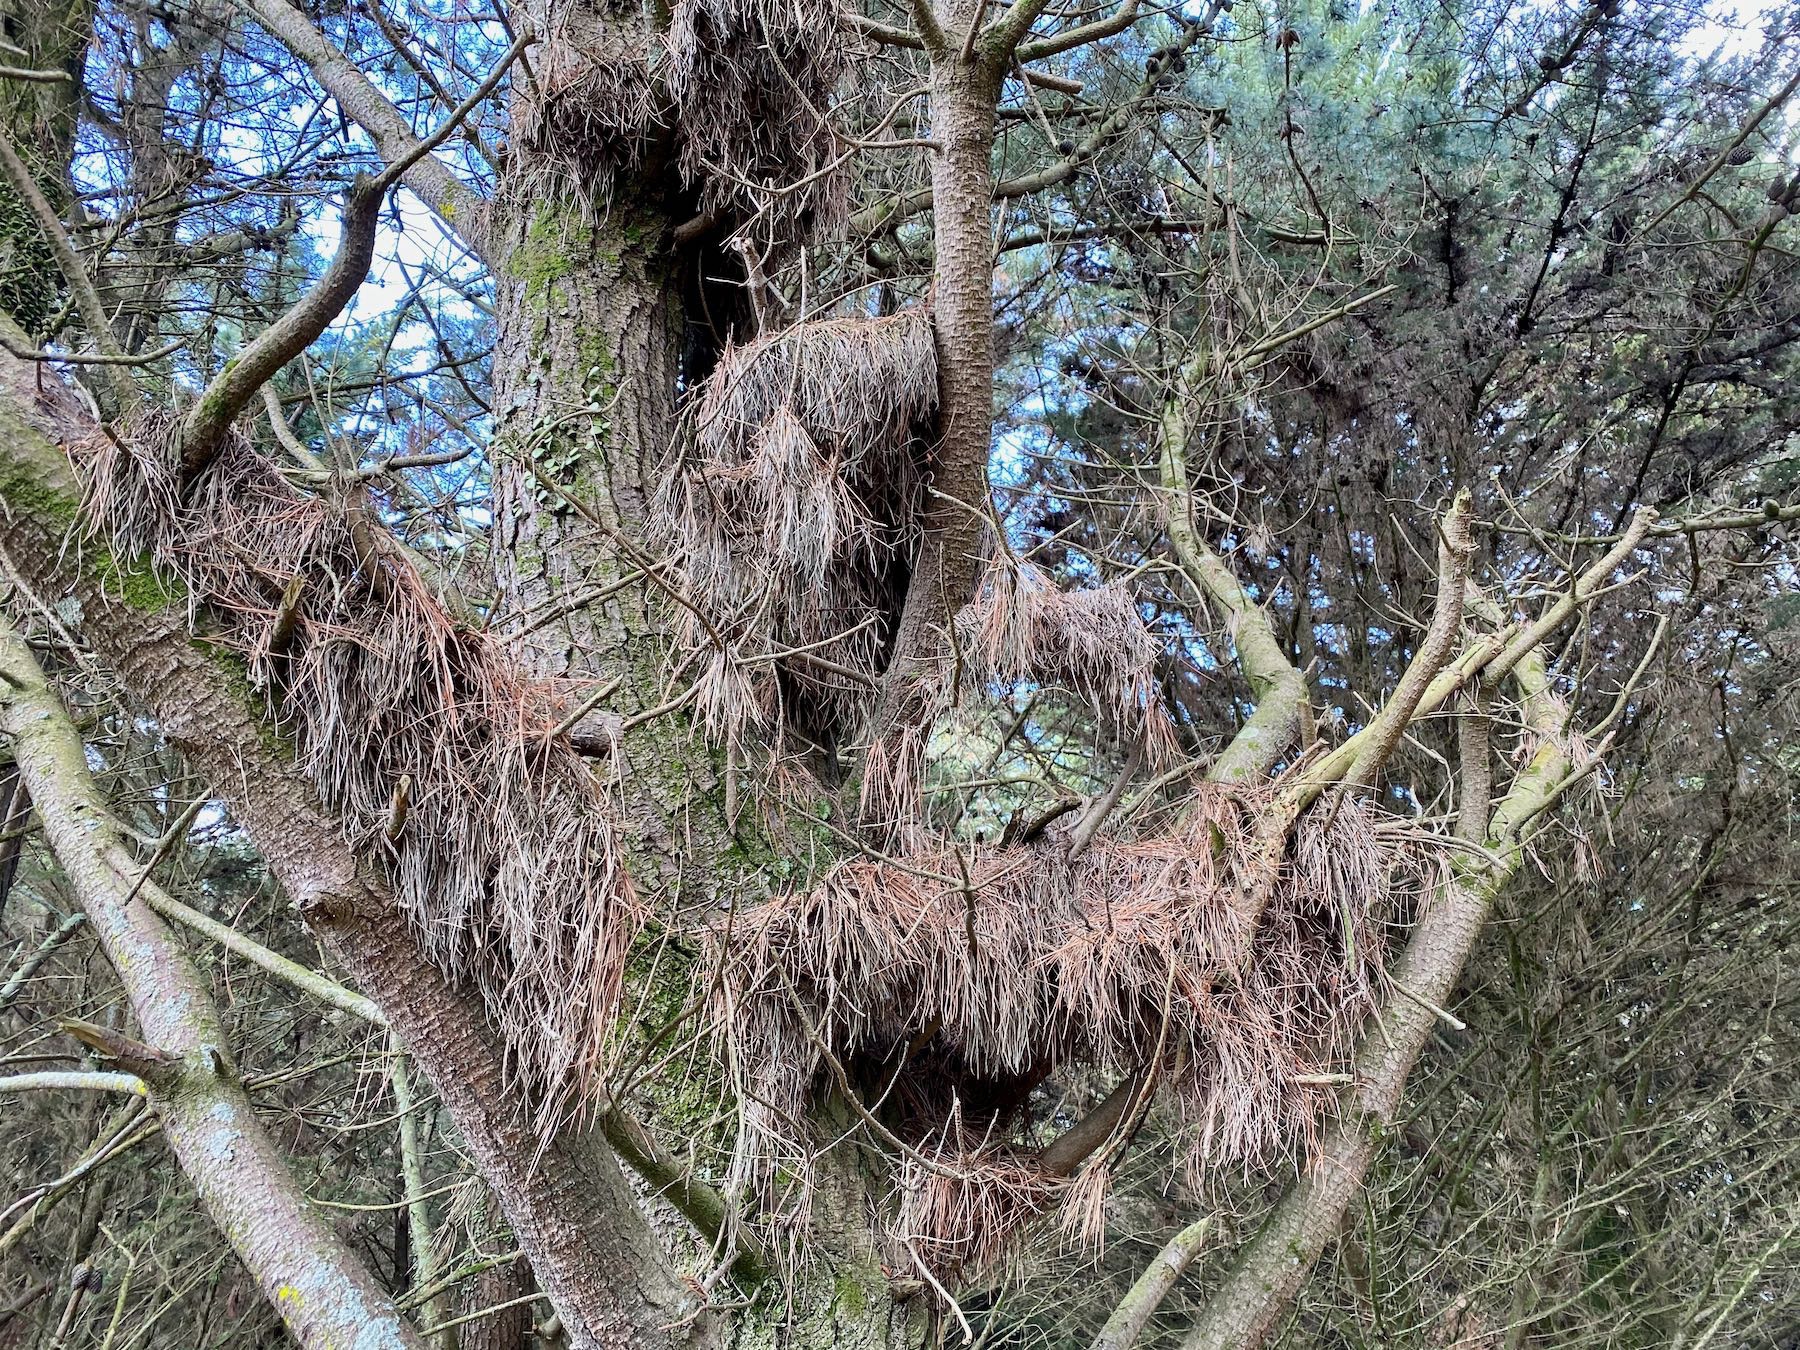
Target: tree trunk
<point>508,1329</point>
<point>964,92</point>
<point>588,363</point>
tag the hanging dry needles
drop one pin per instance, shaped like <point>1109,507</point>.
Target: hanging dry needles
<point>739,90</point>
<point>1019,629</point>
<point>1091,642</point>
<point>969,979</point>
<point>416,732</point>
<point>754,80</point>
<point>592,107</point>
<point>792,515</point>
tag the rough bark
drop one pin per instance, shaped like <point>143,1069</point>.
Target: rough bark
<point>507,1329</point>
<point>324,1294</point>
<point>589,358</point>
<point>570,1208</point>
<point>965,87</point>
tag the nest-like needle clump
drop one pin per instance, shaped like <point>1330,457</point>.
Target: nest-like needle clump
<point>417,732</point>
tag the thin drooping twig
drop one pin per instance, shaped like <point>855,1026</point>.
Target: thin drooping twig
<point>291,973</point>
<point>456,204</point>
<point>398,169</point>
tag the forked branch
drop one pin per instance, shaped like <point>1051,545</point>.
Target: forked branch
<point>233,387</point>
<point>1272,1267</point>
<point>453,201</point>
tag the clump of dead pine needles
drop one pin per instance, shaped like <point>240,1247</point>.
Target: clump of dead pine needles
<point>591,107</point>
<point>754,81</point>
<point>415,730</point>
<point>1091,642</point>
<point>792,515</point>
<point>958,978</point>
<point>1022,629</point>
<point>738,90</point>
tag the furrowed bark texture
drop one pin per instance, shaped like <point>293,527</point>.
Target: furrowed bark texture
<point>588,360</point>
<point>324,1294</point>
<point>586,365</point>
<point>570,1208</point>
<point>508,1329</point>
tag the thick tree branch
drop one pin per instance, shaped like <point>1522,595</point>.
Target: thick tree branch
<point>1074,1145</point>
<point>1276,685</point>
<point>1274,1265</point>
<point>1491,659</point>
<point>296,330</point>
<point>568,1204</point>
<point>321,1290</point>
<point>1389,725</point>
<point>1068,40</point>
<point>1137,1307</point>
<point>452,200</point>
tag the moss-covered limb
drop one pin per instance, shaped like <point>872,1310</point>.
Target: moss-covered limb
<point>1276,685</point>
<point>1271,1268</point>
<point>422,1241</point>
<point>321,1290</point>
<point>697,1202</point>
<point>1389,725</point>
<point>1493,658</point>
<point>233,387</point>
<point>567,1203</point>
<point>290,973</point>
<point>55,1081</point>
